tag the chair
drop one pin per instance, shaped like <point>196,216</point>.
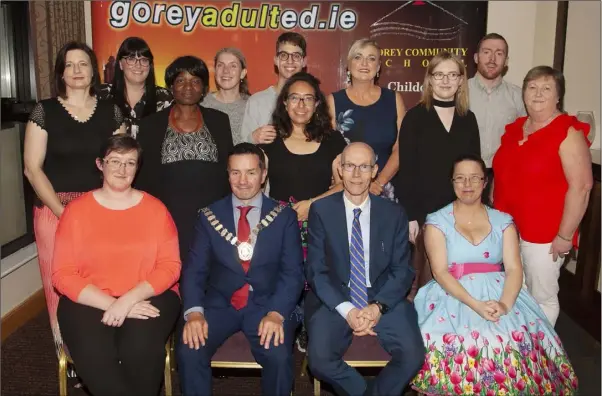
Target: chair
<point>235,353</point>
<point>65,359</point>
<point>363,352</point>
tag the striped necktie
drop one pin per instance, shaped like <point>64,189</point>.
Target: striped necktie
<point>359,290</point>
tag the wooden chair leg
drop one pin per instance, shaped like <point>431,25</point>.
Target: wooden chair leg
<point>168,349</point>
<point>62,373</point>
<point>316,387</point>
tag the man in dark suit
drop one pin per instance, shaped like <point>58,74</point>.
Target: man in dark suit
<point>359,272</point>
<point>238,279</point>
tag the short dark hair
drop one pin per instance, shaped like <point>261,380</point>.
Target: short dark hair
<point>547,71</point>
<point>248,148</point>
<point>481,163</point>
<point>120,143</point>
<point>191,64</point>
<point>135,46</point>
<point>493,36</point>
<point>59,68</point>
<point>319,125</point>
<point>292,38</point>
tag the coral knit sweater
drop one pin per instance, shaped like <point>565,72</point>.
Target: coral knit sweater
<point>115,250</point>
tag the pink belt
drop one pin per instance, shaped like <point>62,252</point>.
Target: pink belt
<point>459,270</point>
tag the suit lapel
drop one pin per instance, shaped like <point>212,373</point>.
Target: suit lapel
<point>341,236</point>
<point>266,207</point>
<point>225,214</point>
<point>375,240</point>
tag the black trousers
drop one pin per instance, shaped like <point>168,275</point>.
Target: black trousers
<point>118,361</point>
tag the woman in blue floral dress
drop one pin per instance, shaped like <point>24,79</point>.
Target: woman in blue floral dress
<point>365,112</point>
<point>484,333</point>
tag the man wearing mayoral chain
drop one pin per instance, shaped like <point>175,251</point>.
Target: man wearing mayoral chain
<point>244,272</point>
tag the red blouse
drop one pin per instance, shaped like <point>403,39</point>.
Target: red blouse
<point>530,184</point>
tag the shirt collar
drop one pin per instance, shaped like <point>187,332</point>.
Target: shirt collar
<point>478,78</point>
<point>255,202</point>
<point>364,206</point>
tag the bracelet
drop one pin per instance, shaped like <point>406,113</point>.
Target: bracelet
<point>563,238</point>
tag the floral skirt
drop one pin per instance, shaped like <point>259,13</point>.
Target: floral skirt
<point>520,354</point>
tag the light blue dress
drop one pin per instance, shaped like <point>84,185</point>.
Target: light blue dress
<point>521,354</point>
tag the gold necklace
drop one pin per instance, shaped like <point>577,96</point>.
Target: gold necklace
<point>545,123</point>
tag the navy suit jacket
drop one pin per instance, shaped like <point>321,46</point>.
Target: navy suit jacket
<point>328,265</point>
<point>212,271</point>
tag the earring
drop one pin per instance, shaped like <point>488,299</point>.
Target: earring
<point>377,73</point>
<point>348,77</point>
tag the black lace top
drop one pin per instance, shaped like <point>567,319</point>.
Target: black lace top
<point>73,145</point>
<point>133,115</point>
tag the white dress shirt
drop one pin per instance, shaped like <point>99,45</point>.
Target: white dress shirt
<point>346,306</point>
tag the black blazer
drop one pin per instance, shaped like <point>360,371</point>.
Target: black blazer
<point>151,134</point>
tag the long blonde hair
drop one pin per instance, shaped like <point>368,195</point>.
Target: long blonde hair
<point>462,93</point>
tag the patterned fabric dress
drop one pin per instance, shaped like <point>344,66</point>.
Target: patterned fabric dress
<point>520,354</point>
<point>375,125</point>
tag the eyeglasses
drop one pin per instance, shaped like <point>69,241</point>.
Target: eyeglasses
<point>284,56</point>
<point>453,76</point>
<point>473,179</point>
<point>132,60</point>
<point>364,168</point>
<point>115,164</point>
<point>308,100</point>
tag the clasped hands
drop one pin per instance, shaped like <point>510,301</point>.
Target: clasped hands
<point>124,307</point>
<point>491,310</point>
<point>196,330</point>
<point>362,321</point>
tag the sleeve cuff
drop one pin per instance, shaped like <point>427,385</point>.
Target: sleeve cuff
<point>193,309</point>
<point>344,308</point>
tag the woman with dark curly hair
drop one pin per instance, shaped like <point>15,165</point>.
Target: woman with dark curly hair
<point>186,148</point>
<point>301,157</point>
<point>133,86</point>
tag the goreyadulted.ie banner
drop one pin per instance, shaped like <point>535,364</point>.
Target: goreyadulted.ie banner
<point>410,33</point>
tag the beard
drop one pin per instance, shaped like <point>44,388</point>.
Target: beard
<point>487,73</point>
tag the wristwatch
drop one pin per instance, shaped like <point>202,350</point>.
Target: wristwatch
<point>383,308</point>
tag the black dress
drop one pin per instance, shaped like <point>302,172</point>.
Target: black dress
<point>73,146</point>
<point>185,171</point>
<point>298,177</point>
<point>427,152</point>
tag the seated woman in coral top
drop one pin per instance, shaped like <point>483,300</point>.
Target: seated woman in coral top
<point>484,333</point>
<point>116,263</point>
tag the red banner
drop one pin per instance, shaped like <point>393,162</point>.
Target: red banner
<point>409,33</point>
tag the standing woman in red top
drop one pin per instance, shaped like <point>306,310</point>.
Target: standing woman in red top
<point>543,176</point>
<point>116,264</point>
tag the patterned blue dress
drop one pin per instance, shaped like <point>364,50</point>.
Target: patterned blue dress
<point>375,125</point>
<point>521,354</point>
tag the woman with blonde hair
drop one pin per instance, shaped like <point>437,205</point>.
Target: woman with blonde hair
<point>365,112</point>
<point>230,69</point>
<point>432,135</point>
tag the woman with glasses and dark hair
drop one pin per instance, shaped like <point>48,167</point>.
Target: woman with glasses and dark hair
<point>432,135</point>
<point>365,112</point>
<point>483,333</point>
<point>116,265</point>
<point>301,157</point>
<point>62,139</point>
<point>133,86</point>
<point>186,148</point>
<point>232,92</point>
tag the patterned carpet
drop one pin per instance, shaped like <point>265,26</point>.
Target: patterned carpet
<point>29,366</point>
